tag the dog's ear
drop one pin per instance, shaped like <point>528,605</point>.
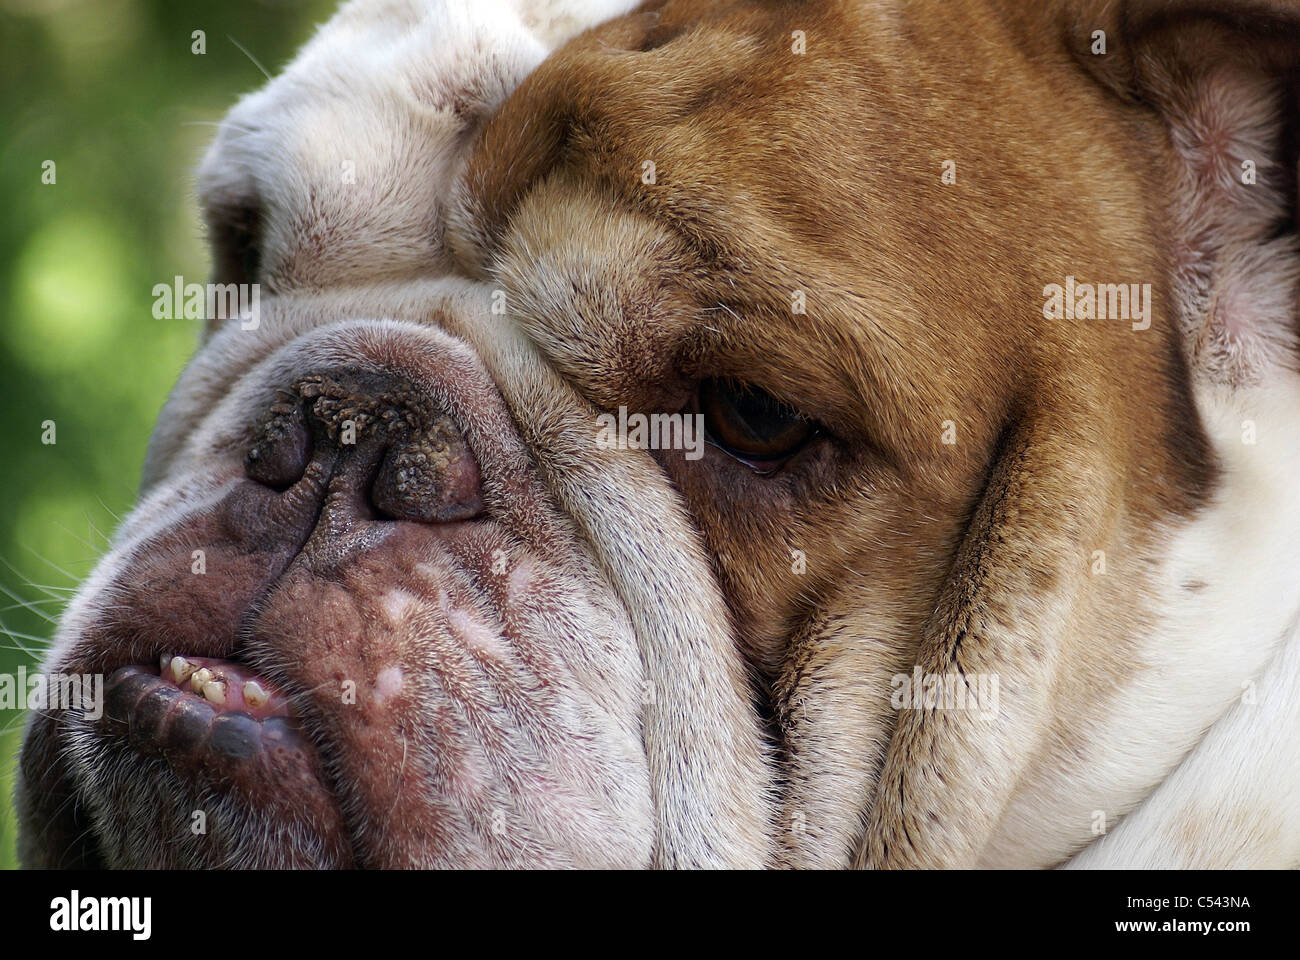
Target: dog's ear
<point>1222,80</point>
<point>1208,97</point>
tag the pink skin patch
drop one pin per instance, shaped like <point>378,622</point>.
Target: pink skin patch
<point>388,683</point>
<point>476,635</point>
<point>521,578</point>
<point>396,604</point>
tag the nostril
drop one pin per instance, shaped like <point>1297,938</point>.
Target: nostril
<point>434,479</point>
<point>282,448</point>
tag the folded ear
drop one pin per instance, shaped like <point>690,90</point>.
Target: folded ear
<point>1223,80</point>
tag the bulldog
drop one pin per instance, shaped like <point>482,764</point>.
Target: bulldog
<point>984,315</point>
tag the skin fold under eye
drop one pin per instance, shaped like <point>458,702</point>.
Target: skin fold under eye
<point>235,233</point>
<point>751,425</point>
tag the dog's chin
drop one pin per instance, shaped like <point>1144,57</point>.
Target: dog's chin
<point>391,695</point>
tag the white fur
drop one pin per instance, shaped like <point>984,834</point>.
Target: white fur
<point>1227,659</point>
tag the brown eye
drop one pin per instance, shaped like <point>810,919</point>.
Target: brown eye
<point>752,425</point>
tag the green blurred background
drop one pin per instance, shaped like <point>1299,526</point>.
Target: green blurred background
<point>112,93</point>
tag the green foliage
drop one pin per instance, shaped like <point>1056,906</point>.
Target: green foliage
<point>111,92</point>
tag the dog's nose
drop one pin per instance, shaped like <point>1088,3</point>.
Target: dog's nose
<point>388,446</point>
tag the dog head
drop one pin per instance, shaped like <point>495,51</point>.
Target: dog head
<point>429,569</point>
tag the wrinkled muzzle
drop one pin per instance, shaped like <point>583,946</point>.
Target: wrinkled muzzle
<point>348,625</point>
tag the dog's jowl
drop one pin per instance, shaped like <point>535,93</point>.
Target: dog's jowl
<point>720,434</point>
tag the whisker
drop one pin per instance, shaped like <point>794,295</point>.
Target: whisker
<point>50,563</point>
<point>48,589</point>
<point>94,531</point>
<point>250,56</point>
<point>214,123</point>
<point>19,635</point>
<point>116,518</point>
<point>18,639</point>
<point>84,543</point>
<point>28,604</point>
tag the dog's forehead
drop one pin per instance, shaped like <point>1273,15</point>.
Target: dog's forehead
<point>358,139</point>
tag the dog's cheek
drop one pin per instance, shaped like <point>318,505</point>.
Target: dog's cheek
<point>477,708</point>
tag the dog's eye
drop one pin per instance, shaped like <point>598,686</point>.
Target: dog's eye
<point>236,233</point>
<point>752,425</point>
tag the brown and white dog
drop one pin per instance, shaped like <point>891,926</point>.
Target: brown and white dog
<point>989,312</point>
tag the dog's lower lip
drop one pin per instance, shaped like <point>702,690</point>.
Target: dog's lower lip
<point>240,789</point>
<point>236,739</point>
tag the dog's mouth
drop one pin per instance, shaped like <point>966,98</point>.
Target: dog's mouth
<point>214,718</point>
<point>203,755</point>
<point>191,761</point>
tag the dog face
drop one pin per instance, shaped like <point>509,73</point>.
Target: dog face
<point>974,550</point>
